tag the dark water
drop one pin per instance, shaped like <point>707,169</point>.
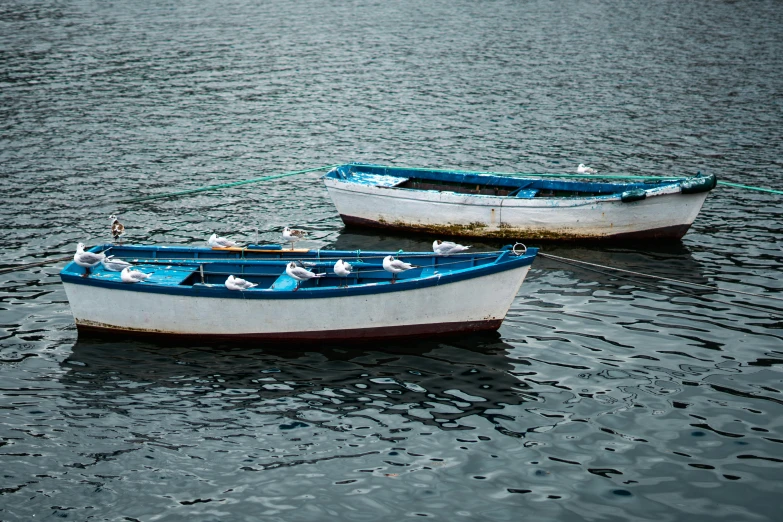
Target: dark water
<point>601,398</point>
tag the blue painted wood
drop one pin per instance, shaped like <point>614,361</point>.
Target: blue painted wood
<point>284,283</point>
<point>178,272</point>
<point>370,174</point>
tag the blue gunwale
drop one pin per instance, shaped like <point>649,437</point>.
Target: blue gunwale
<point>395,177</point>
<point>185,262</point>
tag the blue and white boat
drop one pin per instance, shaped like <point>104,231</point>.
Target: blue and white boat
<point>457,203</point>
<point>186,294</point>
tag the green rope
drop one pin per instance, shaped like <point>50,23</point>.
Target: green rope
<point>737,185</point>
<point>224,185</point>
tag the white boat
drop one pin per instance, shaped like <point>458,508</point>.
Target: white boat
<point>186,295</point>
<point>473,204</point>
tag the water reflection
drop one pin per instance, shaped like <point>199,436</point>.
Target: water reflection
<point>435,383</point>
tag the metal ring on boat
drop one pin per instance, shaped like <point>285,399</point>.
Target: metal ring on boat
<point>522,252</point>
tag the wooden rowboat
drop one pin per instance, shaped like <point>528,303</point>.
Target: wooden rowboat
<point>186,293</point>
<point>484,205</point>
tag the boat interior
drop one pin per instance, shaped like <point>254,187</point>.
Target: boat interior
<point>482,184</point>
<point>265,266</point>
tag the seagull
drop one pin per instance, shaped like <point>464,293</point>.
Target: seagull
<point>395,266</point>
<point>444,248</point>
<point>117,228</point>
<point>343,269</point>
<point>114,265</point>
<point>235,283</point>
<point>132,276</point>
<point>299,273</point>
<point>87,260</point>
<point>292,236</point>
<point>581,169</point>
<point>219,242</point>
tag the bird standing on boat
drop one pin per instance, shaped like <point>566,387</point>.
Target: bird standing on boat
<point>343,269</point>
<point>87,260</point>
<point>219,242</point>
<point>292,236</point>
<point>117,228</point>
<point>236,283</point>
<point>132,276</point>
<point>581,169</point>
<point>444,248</point>
<point>395,266</point>
<point>300,273</point>
<point>113,264</point>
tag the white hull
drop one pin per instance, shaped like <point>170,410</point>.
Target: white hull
<point>466,305</point>
<point>664,213</point>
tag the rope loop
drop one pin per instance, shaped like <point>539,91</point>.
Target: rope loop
<point>522,251</point>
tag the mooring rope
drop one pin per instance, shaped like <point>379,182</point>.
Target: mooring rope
<point>737,185</point>
<point>32,265</point>
<point>223,185</point>
<point>576,262</point>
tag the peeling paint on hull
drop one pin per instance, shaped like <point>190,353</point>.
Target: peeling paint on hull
<point>509,232</point>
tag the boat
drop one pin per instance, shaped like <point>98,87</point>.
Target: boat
<point>186,294</point>
<point>475,204</point>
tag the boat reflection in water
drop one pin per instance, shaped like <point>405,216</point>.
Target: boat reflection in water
<point>434,383</point>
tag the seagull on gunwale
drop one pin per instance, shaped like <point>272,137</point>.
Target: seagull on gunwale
<point>219,242</point>
<point>236,283</point>
<point>117,228</point>
<point>395,266</point>
<point>342,269</point>
<point>582,169</point>
<point>300,273</point>
<point>292,236</point>
<point>132,276</point>
<point>444,248</point>
<point>113,264</point>
<point>87,260</point>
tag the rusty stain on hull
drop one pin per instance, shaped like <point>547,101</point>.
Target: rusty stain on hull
<point>506,231</point>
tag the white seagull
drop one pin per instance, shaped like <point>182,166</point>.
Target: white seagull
<point>114,265</point>
<point>300,273</point>
<point>342,269</point>
<point>219,242</point>
<point>581,169</point>
<point>444,248</point>
<point>395,266</point>
<point>132,276</point>
<point>117,228</point>
<point>235,283</point>
<point>87,260</point>
<point>292,236</point>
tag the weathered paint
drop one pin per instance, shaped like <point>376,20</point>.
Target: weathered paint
<point>355,334</point>
<point>664,213</point>
<point>505,231</point>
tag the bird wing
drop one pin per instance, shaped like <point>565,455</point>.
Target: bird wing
<point>91,257</point>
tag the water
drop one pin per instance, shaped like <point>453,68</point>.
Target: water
<point>600,398</point>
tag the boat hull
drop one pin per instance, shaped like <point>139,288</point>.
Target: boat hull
<point>468,305</point>
<point>663,215</point>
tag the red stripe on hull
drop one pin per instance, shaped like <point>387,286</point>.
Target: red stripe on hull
<point>359,334</point>
<point>673,232</point>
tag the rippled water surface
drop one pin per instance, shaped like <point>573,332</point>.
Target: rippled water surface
<point>603,397</point>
